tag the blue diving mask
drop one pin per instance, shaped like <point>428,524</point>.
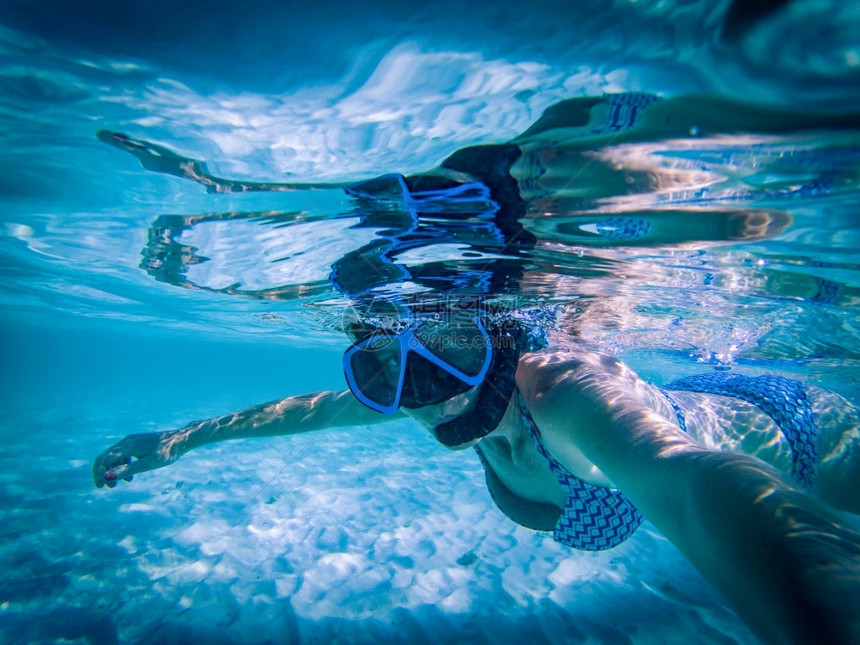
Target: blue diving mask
<point>427,363</point>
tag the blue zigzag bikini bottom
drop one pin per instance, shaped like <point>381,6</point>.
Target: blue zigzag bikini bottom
<point>597,518</point>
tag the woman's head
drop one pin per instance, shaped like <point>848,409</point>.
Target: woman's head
<point>454,372</point>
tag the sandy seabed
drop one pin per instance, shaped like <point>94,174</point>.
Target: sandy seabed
<point>354,535</point>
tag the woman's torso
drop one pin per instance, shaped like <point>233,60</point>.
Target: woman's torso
<point>714,421</point>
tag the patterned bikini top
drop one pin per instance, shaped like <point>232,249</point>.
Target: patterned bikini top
<point>596,518</point>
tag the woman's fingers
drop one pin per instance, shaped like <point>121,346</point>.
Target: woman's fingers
<point>116,464</point>
<point>104,463</point>
<point>123,469</point>
<point>100,467</point>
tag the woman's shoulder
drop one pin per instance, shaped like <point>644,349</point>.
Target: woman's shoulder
<point>573,362</point>
<point>566,370</point>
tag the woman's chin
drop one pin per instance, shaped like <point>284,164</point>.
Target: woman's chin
<point>431,416</point>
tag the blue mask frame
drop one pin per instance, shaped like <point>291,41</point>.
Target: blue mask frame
<point>408,342</point>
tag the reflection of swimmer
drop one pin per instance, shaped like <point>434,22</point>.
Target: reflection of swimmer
<point>625,170</point>
<point>736,471</point>
<point>741,473</point>
<point>562,144</point>
<point>588,172</point>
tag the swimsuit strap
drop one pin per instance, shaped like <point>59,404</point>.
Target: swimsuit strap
<point>622,228</point>
<point>679,413</point>
<point>595,518</point>
<point>624,110</point>
<point>784,400</point>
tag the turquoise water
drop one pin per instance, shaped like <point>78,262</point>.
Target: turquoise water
<point>357,534</point>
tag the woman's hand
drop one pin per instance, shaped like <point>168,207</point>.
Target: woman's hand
<point>136,453</point>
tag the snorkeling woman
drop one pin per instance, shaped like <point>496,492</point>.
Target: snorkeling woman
<point>754,479</point>
<point>736,471</point>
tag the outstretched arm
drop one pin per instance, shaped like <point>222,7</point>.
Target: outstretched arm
<point>787,565</point>
<point>138,453</point>
<point>160,159</point>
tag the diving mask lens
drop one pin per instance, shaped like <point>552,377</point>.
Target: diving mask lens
<point>375,371</point>
<point>462,346</point>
